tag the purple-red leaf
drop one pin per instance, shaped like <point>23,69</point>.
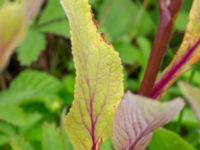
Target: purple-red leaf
<point>137,117</point>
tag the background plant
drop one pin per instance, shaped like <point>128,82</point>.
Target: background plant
<point>38,98</point>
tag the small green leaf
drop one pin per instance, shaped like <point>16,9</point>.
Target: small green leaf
<point>167,140</point>
<point>60,28</point>
<point>52,12</point>
<point>19,143</point>
<point>31,47</point>
<point>53,20</point>
<point>52,139</point>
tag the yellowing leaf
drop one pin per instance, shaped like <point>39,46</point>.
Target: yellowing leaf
<point>192,94</point>
<point>14,20</point>
<point>99,79</point>
<point>192,34</point>
<point>187,55</point>
<point>137,117</point>
<point>13,27</point>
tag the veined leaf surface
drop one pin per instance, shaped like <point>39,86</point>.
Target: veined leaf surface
<point>187,55</point>
<point>193,96</point>
<point>99,79</point>
<point>137,117</point>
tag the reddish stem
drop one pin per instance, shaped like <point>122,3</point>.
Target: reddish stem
<point>168,12</point>
<point>158,88</point>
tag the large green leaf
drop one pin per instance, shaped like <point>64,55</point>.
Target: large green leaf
<point>128,53</point>
<point>167,140</point>
<point>35,80</point>
<point>116,17</point>
<point>123,20</point>
<point>32,86</point>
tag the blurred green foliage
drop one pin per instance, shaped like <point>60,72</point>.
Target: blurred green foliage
<point>38,85</point>
<point>165,140</point>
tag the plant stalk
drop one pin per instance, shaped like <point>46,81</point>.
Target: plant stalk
<point>168,11</point>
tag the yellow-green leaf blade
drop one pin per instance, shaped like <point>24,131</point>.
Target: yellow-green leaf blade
<point>15,18</point>
<point>191,33</point>
<point>13,27</point>
<point>99,85</point>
